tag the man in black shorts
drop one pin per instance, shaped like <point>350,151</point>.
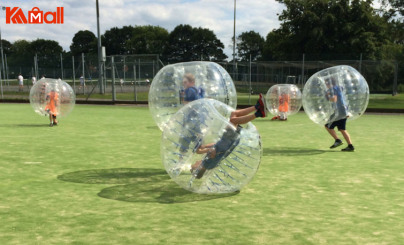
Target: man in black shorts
<point>334,94</point>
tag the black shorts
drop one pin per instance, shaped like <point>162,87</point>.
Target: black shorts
<point>340,124</point>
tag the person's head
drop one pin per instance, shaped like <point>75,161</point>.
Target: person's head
<point>189,80</point>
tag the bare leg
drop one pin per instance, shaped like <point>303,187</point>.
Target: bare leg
<point>242,116</point>
<point>242,112</point>
<point>346,135</point>
<point>242,120</point>
<point>332,133</point>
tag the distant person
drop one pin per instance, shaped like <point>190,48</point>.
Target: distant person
<point>122,83</point>
<point>20,82</point>
<point>283,107</point>
<point>33,80</point>
<point>82,82</point>
<point>52,104</point>
<point>335,95</point>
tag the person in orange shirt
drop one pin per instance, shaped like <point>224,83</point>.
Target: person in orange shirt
<point>51,107</point>
<point>283,107</point>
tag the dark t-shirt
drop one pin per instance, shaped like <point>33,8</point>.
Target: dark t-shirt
<point>191,94</point>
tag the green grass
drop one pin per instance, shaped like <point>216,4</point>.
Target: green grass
<point>97,178</point>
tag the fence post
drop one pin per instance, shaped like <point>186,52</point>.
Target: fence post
<point>74,76</point>
<point>1,86</point>
<point>302,71</point>
<point>61,64</point>
<point>5,57</point>
<point>395,79</point>
<point>249,89</point>
<point>83,72</point>
<point>134,81</point>
<point>113,78</point>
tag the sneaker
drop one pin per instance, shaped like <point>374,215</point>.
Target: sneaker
<point>55,123</point>
<point>257,105</point>
<point>337,143</point>
<point>274,118</point>
<point>258,113</point>
<point>262,108</point>
<point>51,125</point>
<point>349,148</point>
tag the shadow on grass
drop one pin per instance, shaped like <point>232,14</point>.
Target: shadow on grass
<point>291,151</point>
<point>153,127</point>
<point>23,125</point>
<point>137,185</point>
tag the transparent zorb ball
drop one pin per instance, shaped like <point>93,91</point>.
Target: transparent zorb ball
<point>283,98</point>
<point>166,95</point>
<point>335,93</point>
<point>204,124</point>
<point>52,95</point>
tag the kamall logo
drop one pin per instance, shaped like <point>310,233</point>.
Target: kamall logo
<point>15,15</point>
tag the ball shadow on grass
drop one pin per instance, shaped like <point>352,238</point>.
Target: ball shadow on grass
<point>24,125</point>
<point>138,185</point>
<point>291,151</point>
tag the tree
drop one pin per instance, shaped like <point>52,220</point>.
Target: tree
<point>48,52</point>
<point>83,42</point>
<point>7,46</point>
<point>188,44</point>
<point>147,40</point>
<point>325,28</point>
<point>250,43</point>
<point>21,54</point>
<point>115,40</point>
<point>394,6</point>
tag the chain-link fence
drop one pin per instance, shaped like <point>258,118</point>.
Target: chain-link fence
<point>128,77</point>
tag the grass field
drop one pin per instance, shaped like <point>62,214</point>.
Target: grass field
<point>97,178</point>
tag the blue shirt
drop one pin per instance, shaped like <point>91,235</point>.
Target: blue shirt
<point>191,94</point>
<point>341,105</point>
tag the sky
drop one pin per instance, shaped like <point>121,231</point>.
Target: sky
<point>216,15</point>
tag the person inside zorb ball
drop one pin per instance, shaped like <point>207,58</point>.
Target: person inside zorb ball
<point>178,84</point>
<point>223,156</point>
<point>333,96</point>
<point>53,98</point>
<point>283,100</point>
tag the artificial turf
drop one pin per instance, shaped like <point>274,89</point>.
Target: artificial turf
<point>97,178</point>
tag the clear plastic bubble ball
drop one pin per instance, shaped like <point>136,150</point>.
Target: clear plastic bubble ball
<point>335,93</point>
<point>52,96</point>
<point>284,99</point>
<point>172,88</point>
<point>204,153</point>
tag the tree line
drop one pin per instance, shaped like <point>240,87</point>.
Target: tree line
<point>321,29</point>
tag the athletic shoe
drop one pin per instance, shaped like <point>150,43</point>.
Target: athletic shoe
<point>257,105</point>
<point>349,148</point>
<point>55,123</point>
<point>274,118</point>
<point>337,143</point>
<point>51,125</point>
<point>262,108</point>
<point>258,113</point>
